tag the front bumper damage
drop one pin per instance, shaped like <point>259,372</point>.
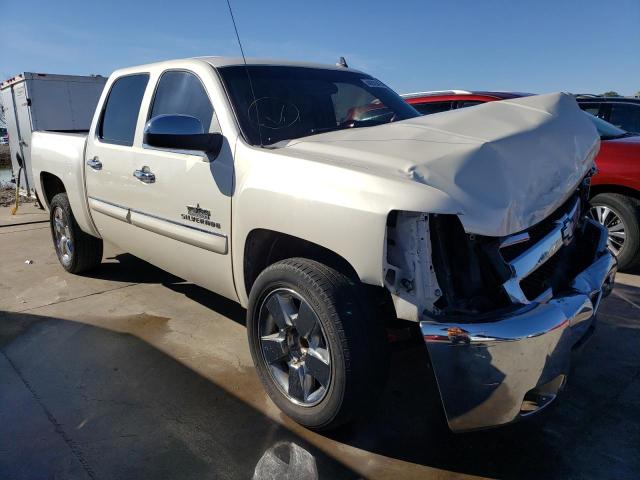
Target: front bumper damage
<point>501,368</point>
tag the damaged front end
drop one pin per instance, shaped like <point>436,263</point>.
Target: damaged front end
<point>500,315</point>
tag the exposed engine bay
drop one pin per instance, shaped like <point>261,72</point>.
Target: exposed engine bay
<point>435,270</point>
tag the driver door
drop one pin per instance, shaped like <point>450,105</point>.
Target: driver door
<point>178,215</point>
<point>183,214</point>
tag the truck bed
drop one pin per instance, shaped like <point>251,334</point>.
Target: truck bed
<point>61,154</point>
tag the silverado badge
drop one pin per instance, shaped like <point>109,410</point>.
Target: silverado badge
<point>199,215</point>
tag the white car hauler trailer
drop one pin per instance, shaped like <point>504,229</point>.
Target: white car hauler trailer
<point>41,101</point>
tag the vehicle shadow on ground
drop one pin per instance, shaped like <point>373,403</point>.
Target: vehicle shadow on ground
<point>409,423</point>
<point>125,267</point>
<point>80,401</point>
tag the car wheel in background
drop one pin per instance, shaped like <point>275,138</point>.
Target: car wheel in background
<point>620,215</point>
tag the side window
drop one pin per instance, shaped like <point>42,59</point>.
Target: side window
<point>469,103</point>
<point>118,123</point>
<point>432,107</point>
<point>592,108</point>
<point>182,93</point>
<point>625,116</point>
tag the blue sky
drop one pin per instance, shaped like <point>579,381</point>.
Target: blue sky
<point>537,46</point>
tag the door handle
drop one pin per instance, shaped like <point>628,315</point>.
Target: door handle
<point>145,175</point>
<point>95,163</point>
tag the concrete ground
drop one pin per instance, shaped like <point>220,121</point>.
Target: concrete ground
<point>129,372</point>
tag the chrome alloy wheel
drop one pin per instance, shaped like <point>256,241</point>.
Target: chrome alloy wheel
<point>612,221</point>
<point>294,347</point>
<point>62,234</point>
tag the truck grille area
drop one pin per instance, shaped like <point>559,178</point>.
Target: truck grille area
<point>535,233</point>
<point>554,253</point>
<point>541,280</point>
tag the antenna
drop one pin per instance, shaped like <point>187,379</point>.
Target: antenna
<point>342,63</point>
<point>253,94</point>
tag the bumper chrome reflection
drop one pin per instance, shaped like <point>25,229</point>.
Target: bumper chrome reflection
<point>495,372</point>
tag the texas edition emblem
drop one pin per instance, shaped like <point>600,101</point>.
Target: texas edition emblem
<point>199,215</point>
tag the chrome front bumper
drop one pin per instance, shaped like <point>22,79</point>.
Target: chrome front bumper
<point>505,368</point>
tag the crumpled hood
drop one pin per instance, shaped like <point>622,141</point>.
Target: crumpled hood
<point>505,165</point>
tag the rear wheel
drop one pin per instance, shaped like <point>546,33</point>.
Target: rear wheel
<point>317,351</point>
<point>620,215</point>
<point>77,251</point>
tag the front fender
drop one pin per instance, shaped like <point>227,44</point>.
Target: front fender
<point>339,208</point>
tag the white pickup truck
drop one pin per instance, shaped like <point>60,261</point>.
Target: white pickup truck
<point>319,200</point>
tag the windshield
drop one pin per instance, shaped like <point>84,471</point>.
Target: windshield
<point>294,102</point>
<point>606,130</point>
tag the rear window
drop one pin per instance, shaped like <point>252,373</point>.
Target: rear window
<point>120,114</point>
<point>469,103</point>
<point>592,108</point>
<point>432,107</point>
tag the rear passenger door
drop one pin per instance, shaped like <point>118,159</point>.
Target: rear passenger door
<point>109,158</point>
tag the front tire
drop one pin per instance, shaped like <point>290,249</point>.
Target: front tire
<point>77,251</point>
<point>317,350</point>
<point>620,215</point>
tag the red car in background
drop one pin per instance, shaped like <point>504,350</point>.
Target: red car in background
<point>615,191</point>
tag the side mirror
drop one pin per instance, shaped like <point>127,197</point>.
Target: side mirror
<point>180,132</point>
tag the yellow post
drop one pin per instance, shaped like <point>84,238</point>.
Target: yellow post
<point>15,208</point>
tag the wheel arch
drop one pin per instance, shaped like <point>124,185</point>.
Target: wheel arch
<point>265,247</point>
<point>51,186</point>
<point>614,188</point>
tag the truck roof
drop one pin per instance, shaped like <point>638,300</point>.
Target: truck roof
<point>218,62</point>
<point>228,61</point>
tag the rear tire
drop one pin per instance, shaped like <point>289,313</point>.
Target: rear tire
<point>621,216</point>
<point>77,251</point>
<point>328,363</point>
